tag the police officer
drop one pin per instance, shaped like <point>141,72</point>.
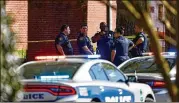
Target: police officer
<point>121,47</point>
<point>104,40</point>
<point>62,44</point>
<point>140,41</point>
<point>83,42</point>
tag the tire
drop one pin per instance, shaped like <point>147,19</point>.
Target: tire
<point>95,100</point>
<point>148,99</point>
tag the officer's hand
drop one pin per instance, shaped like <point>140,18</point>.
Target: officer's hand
<point>95,38</point>
<point>102,33</point>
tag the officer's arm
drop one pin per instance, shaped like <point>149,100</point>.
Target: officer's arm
<point>60,41</point>
<point>113,54</point>
<point>95,38</point>
<point>60,49</point>
<point>85,48</point>
<point>131,44</point>
<point>82,43</point>
<point>139,41</point>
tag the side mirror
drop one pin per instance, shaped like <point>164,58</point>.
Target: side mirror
<point>127,81</point>
<point>132,79</point>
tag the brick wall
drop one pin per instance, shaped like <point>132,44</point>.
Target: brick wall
<point>114,12</point>
<point>44,22</point>
<point>96,14</point>
<point>41,20</point>
<point>19,12</point>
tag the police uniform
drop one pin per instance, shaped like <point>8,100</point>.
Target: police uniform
<point>140,48</point>
<point>121,45</point>
<point>104,45</point>
<point>63,41</point>
<point>82,41</point>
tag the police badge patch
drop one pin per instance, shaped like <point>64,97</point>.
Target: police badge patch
<point>60,39</point>
<point>81,38</point>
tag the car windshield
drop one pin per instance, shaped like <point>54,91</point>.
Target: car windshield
<point>147,65</point>
<point>60,70</point>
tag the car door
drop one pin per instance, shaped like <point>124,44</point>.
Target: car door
<point>126,94</point>
<point>113,91</point>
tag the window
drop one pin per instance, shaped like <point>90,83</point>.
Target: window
<point>130,67</point>
<point>98,72</point>
<point>145,65</point>
<point>29,71</point>
<point>113,74</point>
<point>171,62</point>
<point>160,11</point>
<point>152,9</point>
<point>92,74</point>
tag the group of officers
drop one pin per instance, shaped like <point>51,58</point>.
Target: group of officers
<point>112,46</point>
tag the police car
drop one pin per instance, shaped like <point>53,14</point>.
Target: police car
<point>79,80</point>
<point>145,70</point>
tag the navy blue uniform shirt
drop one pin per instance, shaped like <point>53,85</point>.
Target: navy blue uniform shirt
<point>104,45</point>
<point>121,45</point>
<point>82,41</point>
<point>63,41</point>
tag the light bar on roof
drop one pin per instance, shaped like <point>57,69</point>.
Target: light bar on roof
<point>163,53</point>
<point>68,56</point>
<point>83,56</point>
<point>49,57</point>
<point>94,56</point>
<point>169,53</point>
<point>148,53</point>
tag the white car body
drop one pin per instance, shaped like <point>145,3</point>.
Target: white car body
<point>87,88</point>
<point>161,94</point>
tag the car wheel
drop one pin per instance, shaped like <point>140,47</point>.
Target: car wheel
<point>149,99</point>
<point>95,100</point>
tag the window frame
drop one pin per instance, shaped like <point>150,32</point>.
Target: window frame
<point>120,72</point>
<point>122,68</point>
<point>92,72</point>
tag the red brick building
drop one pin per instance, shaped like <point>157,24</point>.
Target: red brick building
<point>37,22</point>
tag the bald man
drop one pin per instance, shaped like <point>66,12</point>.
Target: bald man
<point>104,40</point>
